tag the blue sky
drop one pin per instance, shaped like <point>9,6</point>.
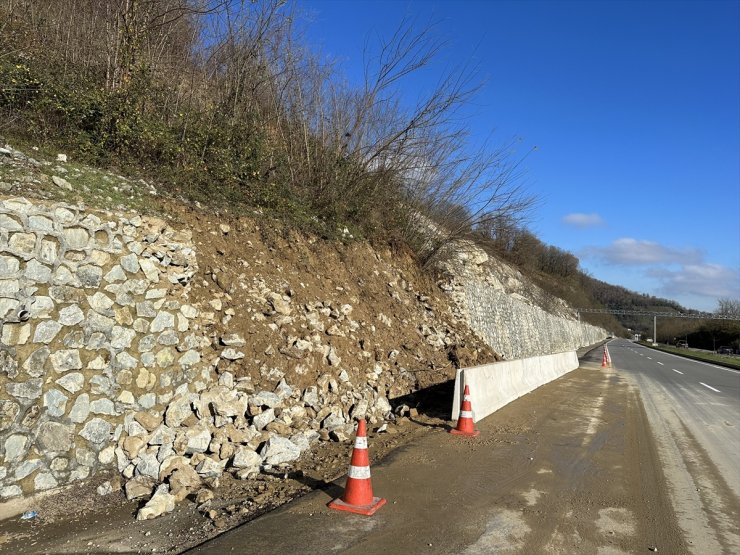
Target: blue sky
<point>634,108</point>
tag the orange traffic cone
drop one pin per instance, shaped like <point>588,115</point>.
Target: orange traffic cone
<point>604,360</point>
<point>608,356</point>
<point>465,426</point>
<point>358,493</point>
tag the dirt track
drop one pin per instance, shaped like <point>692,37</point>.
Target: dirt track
<point>569,468</point>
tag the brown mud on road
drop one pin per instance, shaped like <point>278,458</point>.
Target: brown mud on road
<point>569,468</point>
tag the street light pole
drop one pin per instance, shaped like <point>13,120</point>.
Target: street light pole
<point>655,330</point>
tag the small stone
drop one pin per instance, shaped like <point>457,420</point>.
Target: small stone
<point>10,491</point>
<point>35,271</point>
<point>178,410</point>
<point>164,320</point>
<point>16,334</point>
<point>25,243</point>
<point>190,358</point>
<point>103,406</point>
<point>198,440</point>
<point>246,458</point>
<point>150,270</point>
<point>106,488</point>
<point>44,481</point>
<point>121,337</point>
<point>279,450</point>
<point>263,419</point>
<point>208,468</point>
<point>55,402</point>
<point>107,456</point>
<point>148,420</point>
<point>161,502</point>
<point>61,182</point>
<point>232,354</point>
<point>333,358</point>
<point>101,303</point>
<point>116,274</point>
<point>96,431</point>
<point>71,315</point>
<point>76,237</point>
<point>15,447</point>
<point>138,487</point>
<point>46,331</point>
<point>126,361</point>
<point>30,389</point>
<point>65,360</point>
<point>233,340</point>
<point>130,263</point>
<point>148,465</point>
<point>26,468</point>
<point>203,496</point>
<point>90,276</point>
<point>80,409</point>
<point>189,311</point>
<point>279,305</point>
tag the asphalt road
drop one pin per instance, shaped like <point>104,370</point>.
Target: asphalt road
<point>694,413</point>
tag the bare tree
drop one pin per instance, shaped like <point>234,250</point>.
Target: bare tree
<point>728,307</point>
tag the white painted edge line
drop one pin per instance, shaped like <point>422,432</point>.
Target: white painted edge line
<point>660,363</point>
<point>710,387</point>
<point>677,371</point>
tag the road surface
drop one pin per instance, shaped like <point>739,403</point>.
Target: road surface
<point>694,412</point>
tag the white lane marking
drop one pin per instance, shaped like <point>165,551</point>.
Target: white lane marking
<point>650,358</point>
<point>661,363</point>
<point>677,371</point>
<point>710,387</point>
<point>701,362</point>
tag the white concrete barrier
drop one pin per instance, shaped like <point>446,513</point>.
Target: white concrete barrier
<point>494,385</point>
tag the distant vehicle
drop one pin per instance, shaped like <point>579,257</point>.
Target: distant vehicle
<point>725,350</point>
<point>682,344</point>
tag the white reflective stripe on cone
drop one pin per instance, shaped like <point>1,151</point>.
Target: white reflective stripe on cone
<point>361,443</point>
<point>466,414</point>
<point>359,472</point>
<point>466,397</point>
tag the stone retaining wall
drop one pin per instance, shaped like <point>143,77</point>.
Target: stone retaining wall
<point>496,302</point>
<point>518,330</point>
<point>95,326</point>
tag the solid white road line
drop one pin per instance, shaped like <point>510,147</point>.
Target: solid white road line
<point>710,387</point>
<point>677,371</point>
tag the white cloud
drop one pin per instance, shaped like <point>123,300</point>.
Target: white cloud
<point>583,220</point>
<point>707,280</point>
<point>634,252</point>
<point>676,273</point>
